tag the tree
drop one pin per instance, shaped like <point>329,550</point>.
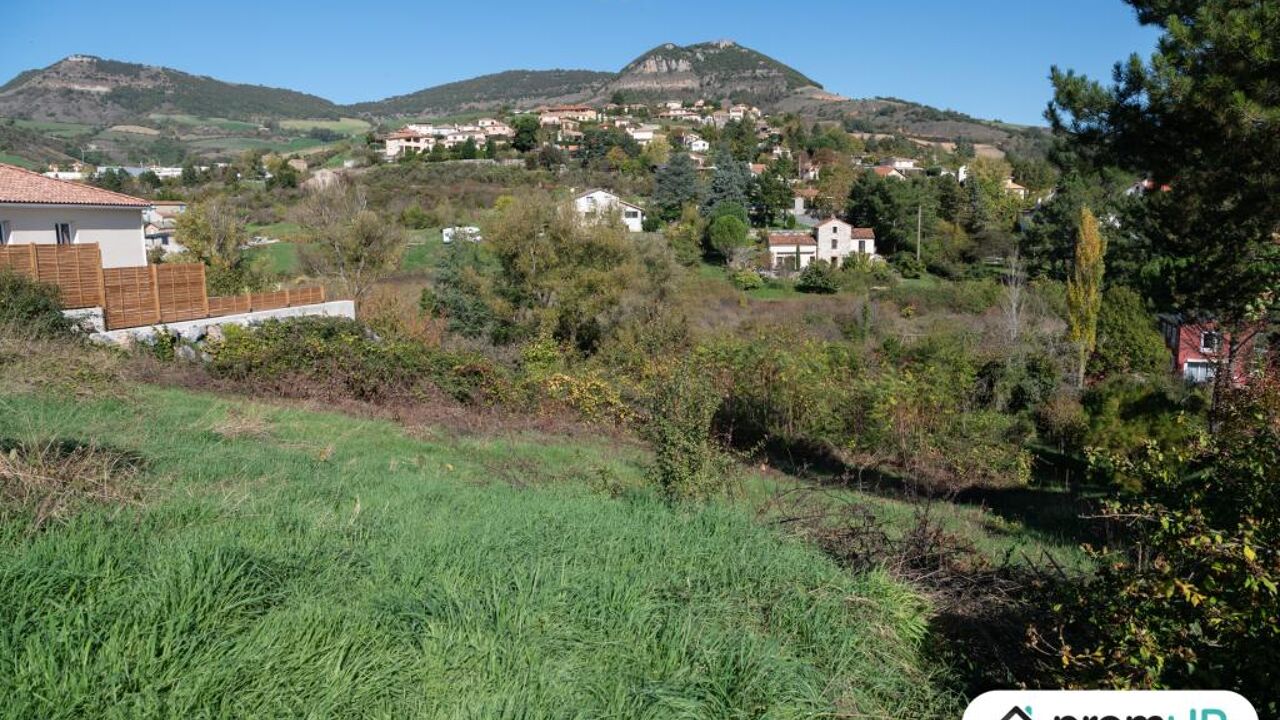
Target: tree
<point>835,182</point>
<point>729,183</point>
<point>189,175</point>
<point>770,198</point>
<point>685,235</point>
<point>1127,337</point>
<point>347,241</point>
<point>1084,291</point>
<point>727,234</point>
<point>526,132</point>
<point>149,180</point>
<point>1200,119</point>
<point>674,186</point>
<point>214,232</point>
<point>467,151</point>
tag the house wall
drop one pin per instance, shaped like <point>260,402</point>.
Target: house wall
<point>117,231</point>
<point>598,203</point>
<point>779,255</point>
<point>845,244</point>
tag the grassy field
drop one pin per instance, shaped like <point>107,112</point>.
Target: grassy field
<point>346,126</point>
<point>19,161</point>
<point>220,123</point>
<point>278,258</point>
<point>423,252</point>
<point>288,563</point>
<point>240,144</point>
<point>64,130</point>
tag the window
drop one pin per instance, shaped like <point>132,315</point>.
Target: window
<point>62,231</point>
<point>834,230</point>
<point>632,214</point>
<point>1210,342</point>
<point>834,242</point>
<point>1198,371</point>
<point>4,232</point>
<point>862,246</point>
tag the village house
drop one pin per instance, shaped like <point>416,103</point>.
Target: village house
<point>642,134</point>
<point>886,171</point>
<point>556,114</point>
<point>43,211</point>
<point>1199,348</point>
<point>695,143</point>
<point>1012,188</point>
<point>899,163</point>
<point>596,203</point>
<point>161,225</point>
<point>833,241</point>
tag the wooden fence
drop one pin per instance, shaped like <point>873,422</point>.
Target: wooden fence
<point>136,296</point>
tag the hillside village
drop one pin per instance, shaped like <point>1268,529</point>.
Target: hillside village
<point>691,389</point>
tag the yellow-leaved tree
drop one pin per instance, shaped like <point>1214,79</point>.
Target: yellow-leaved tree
<point>1084,290</point>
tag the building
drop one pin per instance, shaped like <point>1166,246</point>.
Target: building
<point>886,171</point>
<point>791,250</point>
<point>556,114</point>
<point>161,225</point>
<point>837,240</point>
<point>1199,348</point>
<point>1012,188</point>
<point>43,211</point>
<point>899,163</point>
<point>643,134</point>
<point>594,204</point>
<point>695,143</point>
<point>424,138</point>
<point>833,241</point>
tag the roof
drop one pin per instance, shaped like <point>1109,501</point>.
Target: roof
<point>863,234</point>
<point>791,238</point>
<point>21,186</point>
<point>828,221</point>
<point>614,195</point>
<point>886,171</point>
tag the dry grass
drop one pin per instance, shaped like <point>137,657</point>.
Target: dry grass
<point>63,366</point>
<point>49,479</point>
<point>243,423</point>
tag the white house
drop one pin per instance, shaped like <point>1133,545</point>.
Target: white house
<point>596,203</point>
<point>838,240</point>
<point>792,250</point>
<point>833,241</point>
<point>695,143</point>
<point>899,163</point>
<point>642,134</point>
<point>43,211</point>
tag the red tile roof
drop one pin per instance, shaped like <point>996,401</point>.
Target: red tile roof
<point>25,187</point>
<point>791,238</point>
<point>863,234</point>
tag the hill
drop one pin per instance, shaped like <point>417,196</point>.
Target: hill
<point>87,89</point>
<point>513,88</point>
<point>713,70</point>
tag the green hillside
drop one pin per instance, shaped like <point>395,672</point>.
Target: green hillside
<point>510,88</point>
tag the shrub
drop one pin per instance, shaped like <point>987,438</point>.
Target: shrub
<point>688,465</point>
<point>747,279</point>
<point>818,277</point>
<point>339,358</point>
<point>1191,598</point>
<point>31,306</point>
<point>907,265</point>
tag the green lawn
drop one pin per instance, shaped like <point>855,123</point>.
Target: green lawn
<point>220,123</point>
<point>19,161</point>
<point>278,258</point>
<point>287,563</point>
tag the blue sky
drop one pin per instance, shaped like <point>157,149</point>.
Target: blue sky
<point>987,58</point>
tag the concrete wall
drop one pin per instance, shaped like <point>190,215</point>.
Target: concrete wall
<point>196,329</point>
<point>118,231</point>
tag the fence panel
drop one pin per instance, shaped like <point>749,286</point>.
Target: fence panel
<point>306,296</point>
<point>19,258</point>
<point>131,298</point>
<point>75,269</point>
<point>228,305</point>
<point>180,290</point>
<point>269,300</point>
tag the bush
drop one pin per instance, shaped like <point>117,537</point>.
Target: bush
<point>818,277</point>
<point>746,279</point>
<point>340,358</point>
<point>907,265</point>
<point>688,465</point>
<point>1191,599</point>
<point>31,306</point>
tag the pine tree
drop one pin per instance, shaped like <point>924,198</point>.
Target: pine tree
<point>1084,291</point>
<point>674,186</point>
<point>731,181</point>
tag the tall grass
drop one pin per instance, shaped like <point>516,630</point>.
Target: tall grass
<point>324,566</point>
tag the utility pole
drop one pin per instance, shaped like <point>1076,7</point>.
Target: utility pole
<point>919,219</point>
